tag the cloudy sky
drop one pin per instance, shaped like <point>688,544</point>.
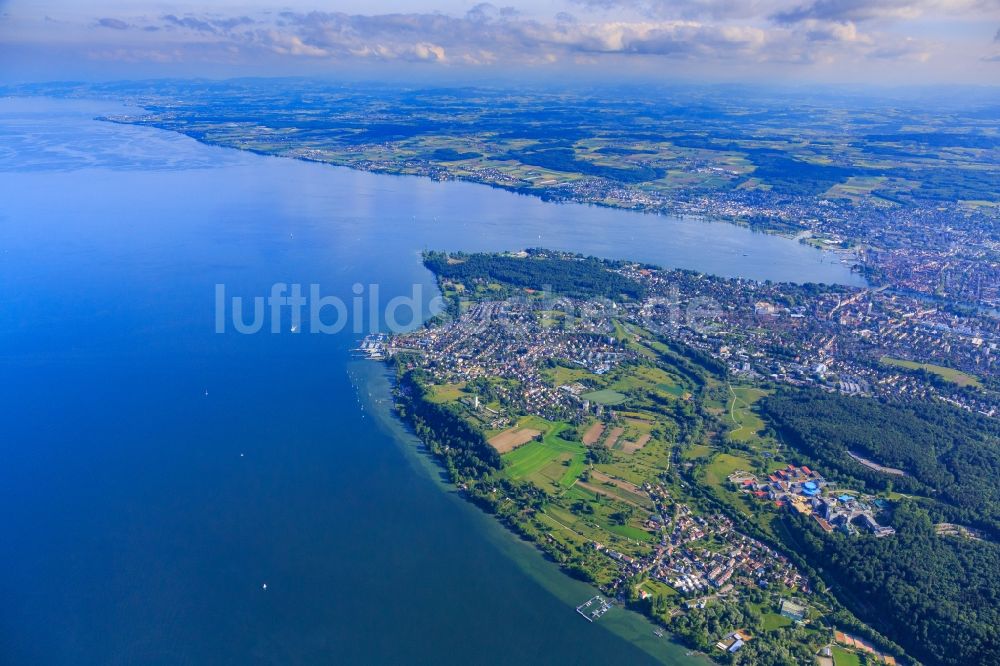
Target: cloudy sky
<point>863,41</point>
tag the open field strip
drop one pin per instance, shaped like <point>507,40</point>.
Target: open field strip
<point>593,434</point>
<point>613,436</point>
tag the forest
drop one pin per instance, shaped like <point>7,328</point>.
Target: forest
<point>563,275</point>
<point>937,596</point>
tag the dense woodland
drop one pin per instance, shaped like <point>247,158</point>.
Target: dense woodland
<point>937,596</point>
<point>576,277</point>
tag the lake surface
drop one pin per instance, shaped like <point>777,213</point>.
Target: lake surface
<point>157,474</point>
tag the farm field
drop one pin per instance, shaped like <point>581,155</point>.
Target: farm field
<point>508,440</point>
<point>553,464</point>
<point>612,439</point>
<point>593,433</point>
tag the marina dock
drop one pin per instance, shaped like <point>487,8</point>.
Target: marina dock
<point>593,608</point>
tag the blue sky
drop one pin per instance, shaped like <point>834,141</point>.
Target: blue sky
<point>795,41</point>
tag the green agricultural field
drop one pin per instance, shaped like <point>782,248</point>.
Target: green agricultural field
<point>631,471</point>
<point>630,532</point>
<point>533,456</point>
<point>566,532</point>
<point>605,397</point>
<point>598,525</point>
<point>617,491</point>
<point>947,374</point>
<point>552,463</point>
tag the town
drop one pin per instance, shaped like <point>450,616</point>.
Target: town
<point>855,341</point>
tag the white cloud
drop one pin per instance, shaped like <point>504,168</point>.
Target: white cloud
<point>720,34</point>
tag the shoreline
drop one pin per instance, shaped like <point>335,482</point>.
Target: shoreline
<point>848,256</point>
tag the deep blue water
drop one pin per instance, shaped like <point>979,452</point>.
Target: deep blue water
<point>141,517</point>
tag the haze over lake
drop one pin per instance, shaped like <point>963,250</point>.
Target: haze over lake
<point>157,475</point>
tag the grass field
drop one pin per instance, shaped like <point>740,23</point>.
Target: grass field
<point>604,397</point>
<point>947,374</point>
<point>696,451</point>
<point>722,466</point>
<point>598,524</point>
<point>774,621</point>
<point>656,588</point>
<point>650,379</point>
<point>746,424</point>
<point>630,532</point>
<point>842,657</point>
<point>562,375</point>
<point>446,392</point>
<point>716,477</point>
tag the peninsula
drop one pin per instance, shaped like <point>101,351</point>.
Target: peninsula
<point>671,438</point>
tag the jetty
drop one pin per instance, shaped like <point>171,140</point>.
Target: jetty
<point>593,608</point>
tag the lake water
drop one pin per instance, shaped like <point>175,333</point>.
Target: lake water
<point>156,475</point>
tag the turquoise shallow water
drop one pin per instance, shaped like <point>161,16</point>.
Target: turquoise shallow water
<point>156,475</point>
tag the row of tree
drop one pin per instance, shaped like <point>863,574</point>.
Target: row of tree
<point>458,444</point>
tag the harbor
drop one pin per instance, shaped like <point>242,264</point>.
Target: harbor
<point>374,347</point>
